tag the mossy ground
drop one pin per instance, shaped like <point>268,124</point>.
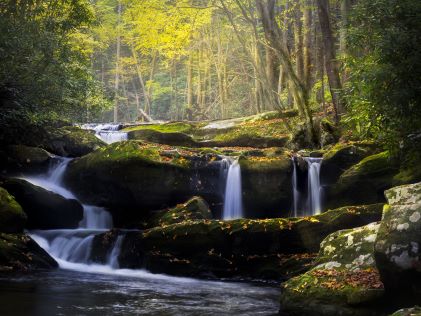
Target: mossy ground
<point>12,217</point>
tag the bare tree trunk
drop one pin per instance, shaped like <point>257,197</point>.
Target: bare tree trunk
<point>307,43</point>
<point>141,81</point>
<point>190,87</point>
<point>298,38</point>
<point>117,66</point>
<point>332,68</point>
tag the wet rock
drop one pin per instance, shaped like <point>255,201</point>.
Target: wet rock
<point>363,183</point>
<point>71,141</point>
<point>272,248</point>
<point>413,311</point>
<point>194,209</point>
<point>12,217</point>
<point>398,243</point>
<point>18,252</point>
<point>344,281</point>
<point>44,209</point>
<point>20,158</point>
<point>168,138</point>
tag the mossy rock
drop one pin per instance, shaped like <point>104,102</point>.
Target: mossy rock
<point>271,248</point>
<point>18,252</point>
<point>342,156</point>
<point>413,311</point>
<point>365,182</point>
<point>171,127</point>
<point>344,281</point>
<point>44,209</point>
<point>12,217</point>
<point>194,209</point>
<point>20,158</point>
<point>398,243</point>
<point>168,138</point>
<point>71,141</point>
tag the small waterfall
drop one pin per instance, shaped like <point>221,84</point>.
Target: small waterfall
<point>307,202</point>
<point>109,133</point>
<point>113,257</point>
<point>314,188</point>
<point>233,202</point>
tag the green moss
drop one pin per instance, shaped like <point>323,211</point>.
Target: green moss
<point>265,163</point>
<point>371,164</point>
<point>180,127</point>
<point>12,217</point>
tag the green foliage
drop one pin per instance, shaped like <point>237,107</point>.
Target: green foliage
<point>384,87</point>
<point>44,55</point>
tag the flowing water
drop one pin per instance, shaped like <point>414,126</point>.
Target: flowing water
<point>109,133</point>
<point>233,200</point>
<point>307,203</point>
<point>81,287</point>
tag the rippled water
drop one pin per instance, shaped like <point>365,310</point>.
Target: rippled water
<point>63,292</point>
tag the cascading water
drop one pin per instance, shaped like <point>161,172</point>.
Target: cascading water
<point>109,133</point>
<point>69,246</point>
<point>233,200</point>
<point>307,203</point>
<point>314,188</point>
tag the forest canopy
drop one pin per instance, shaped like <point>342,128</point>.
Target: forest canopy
<point>355,62</point>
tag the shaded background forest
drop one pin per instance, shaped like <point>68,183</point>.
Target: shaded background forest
<point>354,61</point>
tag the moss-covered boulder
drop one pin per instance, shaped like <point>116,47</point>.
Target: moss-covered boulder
<point>18,252</point>
<point>169,138</point>
<point>266,185</point>
<point>44,209</point>
<point>194,209</point>
<point>398,243</point>
<point>71,141</point>
<point>20,158</point>
<point>413,311</point>
<point>272,248</point>
<point>12,217</point>
<point>343,156</point>
<point>344,281</point>
<point>364,182</point>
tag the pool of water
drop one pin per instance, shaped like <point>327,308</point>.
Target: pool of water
<point>66,292</point>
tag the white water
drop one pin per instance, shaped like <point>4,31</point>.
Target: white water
<point>314,188</point>
<point>233,201</point>
<point>108,133</point>
<point>312,202</point>
<point>115,252</point>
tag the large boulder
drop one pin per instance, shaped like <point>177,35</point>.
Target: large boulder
<point>194,209</point>
<point>266,185</point>
<point>168,138</point>
<point>398,243</point>
<point>344,281</point>
<point>20,158</point>
<point>272,248</point>
<point>71,141</point>
<point>12,217</point>
<point>413,311</point>
<point>45,209</point>
<point>343,156</point>
<point>18,252</point>
<point>364,183</point>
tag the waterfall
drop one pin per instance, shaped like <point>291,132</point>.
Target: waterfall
<point>307,203</point>
<point>314,188</point>
<point>109,133</point>
<point>73,246</point>
<point>115,252</point>
<point>233,201</point>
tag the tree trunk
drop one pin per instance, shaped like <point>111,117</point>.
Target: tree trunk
<point>332,68</point>
<point>117,66</point>
<point>307,43</point>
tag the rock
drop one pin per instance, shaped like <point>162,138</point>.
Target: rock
<point>271,248</point>
<point>45,209</point>
<point>132,178</point>
<point>413,311</point>
<point>398,243</point>
<point>18,252</point>
<point>194,209</point>
<point>12,217</point>
<point>344,281</point>
<point>341,157</point>
<point>274,174</point>
<point>329,133</point>
<point>363,183</point>
<point>20,158</point>
<point>168,138</point>
<point>71,141</point>
<point>247,140</point>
